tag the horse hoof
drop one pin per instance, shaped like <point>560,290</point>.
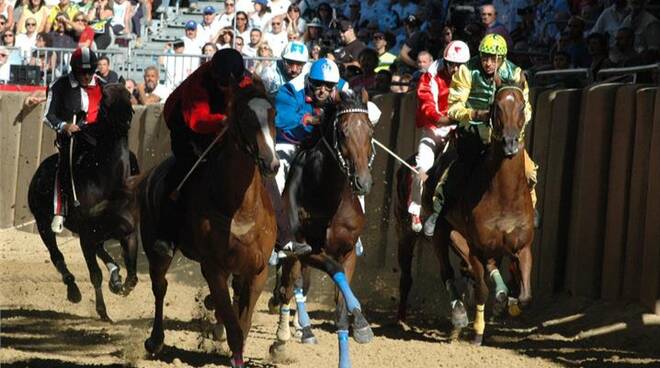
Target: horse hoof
<point>219,332</point>
<point>153,347</point>
<point>208,303</point>
<point>362,332</point>
<point>455,334</point>
<point>129,285</point>
<point>278,353</point>
<point>104,316</point>
<point>459,318</point>
<point>478,340</point>
<point>115,284</point>
<point>307,336</point>
<point>273,306</point>
<point>501,303</point>
<point>403,326</point>
<point>73,293</point>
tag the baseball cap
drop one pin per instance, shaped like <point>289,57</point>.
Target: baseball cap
<point>262,2</point>
<point>316,22</point>
<point>179,42</point>
<point>191,24</point>
<point>209,10</point>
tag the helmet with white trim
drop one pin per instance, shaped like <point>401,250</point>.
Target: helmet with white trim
<point>456,52</point>
<point>83,59</point>
<point>295,51</point>
<point>324,70</point>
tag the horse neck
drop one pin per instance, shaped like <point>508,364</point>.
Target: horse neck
<point>507,174</point>
<point>113,158</point>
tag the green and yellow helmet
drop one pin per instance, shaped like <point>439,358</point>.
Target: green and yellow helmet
<point>493,44</point>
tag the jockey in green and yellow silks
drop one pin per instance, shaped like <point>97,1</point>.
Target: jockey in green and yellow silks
<point>471,95</point>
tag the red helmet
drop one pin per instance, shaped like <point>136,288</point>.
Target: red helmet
<point>83,59</point>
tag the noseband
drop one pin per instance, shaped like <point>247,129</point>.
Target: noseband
<point>336,150</point>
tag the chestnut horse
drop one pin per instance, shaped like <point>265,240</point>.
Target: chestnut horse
<point>490,215</point>
<point>322,194</point>
<point>101,169</point>
<point>229,224</point>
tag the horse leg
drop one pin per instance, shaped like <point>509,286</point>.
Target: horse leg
<point>274,300</point>
<point>224,311</point>
<point>525,266</point>
<point>289,272</point>
<point>441,241</point>
<point>306,284</point>
<point>114,284</point>
<point>501,290</point>
<point>342,324</point>
<point>301,311</point>
<point>158,266</point>
<point>405,255</point>
<point>129,248</point>
<point>481,296</point>
<point>250,290</point>
<point>90,250</point>
<point>50,240</point>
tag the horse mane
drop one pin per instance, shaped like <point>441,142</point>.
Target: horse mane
<point>351,100</point>
<point>116,111</point>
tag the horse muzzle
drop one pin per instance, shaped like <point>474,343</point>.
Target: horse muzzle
<point>362,184</point>
<point>511,146</point>
<point>269,169</point>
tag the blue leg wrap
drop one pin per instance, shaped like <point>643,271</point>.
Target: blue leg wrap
<point>500,286</point>
<point>303,317</point>
<point>344,354</point>
<point>351,301</point>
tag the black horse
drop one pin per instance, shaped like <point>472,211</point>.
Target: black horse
<point>102,166</point>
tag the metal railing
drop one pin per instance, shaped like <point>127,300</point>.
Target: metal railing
<point>630,71</point>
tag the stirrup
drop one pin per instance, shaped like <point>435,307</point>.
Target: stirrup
<point>57,225</point>
<point>294,248</point>
<point>415,223</point>
<point>429,224</point>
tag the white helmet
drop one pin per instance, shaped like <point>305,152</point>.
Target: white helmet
<point>457,52</point>
<point>295,51</point>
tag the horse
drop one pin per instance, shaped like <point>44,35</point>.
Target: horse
<point>101,172</point>
<point>229,225</point>
<point>322,194</point>
<point>489,217</point>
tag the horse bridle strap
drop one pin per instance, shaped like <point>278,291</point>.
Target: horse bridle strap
<point>499,137</point>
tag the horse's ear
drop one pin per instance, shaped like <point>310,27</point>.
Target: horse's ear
<point>258,84</point>
<point>365,96</point>
<point>336,97</point>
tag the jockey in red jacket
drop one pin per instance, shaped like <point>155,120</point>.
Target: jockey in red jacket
<point>431,117</point>
<point>73,100</point>
<point>195,113</point>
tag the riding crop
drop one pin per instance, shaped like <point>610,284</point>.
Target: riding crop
<point>73,184</point>
<point>395,156</point>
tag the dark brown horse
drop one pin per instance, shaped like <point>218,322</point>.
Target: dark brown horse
<point>106,211</point>
<point>322,194</point>
<point>229,225</point>
<point>490,217</point>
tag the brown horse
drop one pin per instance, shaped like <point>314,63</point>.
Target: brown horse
<point>490,217</point>
<point>229,225</point>
<point>322,194</point>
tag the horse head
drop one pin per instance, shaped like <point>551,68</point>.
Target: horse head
<point>508,116</point>
<point>116,111</point>
<point>254,121</point>
<point>352,133</point>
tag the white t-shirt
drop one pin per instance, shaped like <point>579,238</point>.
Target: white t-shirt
<point>279,7</point>
<point>224,20</point>
<point>206,33</point>
<point>261,22</point>
<point>193,45</point>
<point>245,6</point>
<point>277,42</point>
<point>162,91</point>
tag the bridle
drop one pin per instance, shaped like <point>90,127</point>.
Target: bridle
<point>493,113</point>
<point>335,149</point>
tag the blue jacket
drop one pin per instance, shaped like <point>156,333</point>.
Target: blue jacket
<point>292,106</point>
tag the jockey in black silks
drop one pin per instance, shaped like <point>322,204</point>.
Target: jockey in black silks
<point>73,101</point>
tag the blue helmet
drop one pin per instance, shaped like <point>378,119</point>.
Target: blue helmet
<point>324,70</point>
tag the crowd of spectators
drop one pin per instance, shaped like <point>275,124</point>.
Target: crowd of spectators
<point>383,45</point>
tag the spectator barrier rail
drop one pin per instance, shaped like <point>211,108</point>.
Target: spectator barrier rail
<point>598,149</point>
<point>633,70</point>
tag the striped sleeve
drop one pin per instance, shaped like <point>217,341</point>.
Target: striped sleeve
<point>459,91</point>
<point>528,106</point>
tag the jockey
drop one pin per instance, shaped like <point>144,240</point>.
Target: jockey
<point>73,101</point>
<point>293,63</point>
<point>470,97</point>
<point>432,93</point>
<point>195,113</point>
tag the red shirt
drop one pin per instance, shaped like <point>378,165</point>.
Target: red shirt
<point>94,94</point>
<point>86,35</point>
<point>198,102</point>
<point>432,96</point>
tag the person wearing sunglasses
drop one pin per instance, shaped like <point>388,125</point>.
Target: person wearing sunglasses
<point>7,9</point>
<point>36,9</point>
<point>73,101</point>
<point>227,18</point>
<point>27,40</point>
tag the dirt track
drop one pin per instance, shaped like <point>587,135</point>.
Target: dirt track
<point>40,328</point>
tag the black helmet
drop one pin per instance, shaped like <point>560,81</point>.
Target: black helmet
<point>83,59</point>
<point>228,67</point>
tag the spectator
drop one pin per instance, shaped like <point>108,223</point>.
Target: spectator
<point>404,9</point>
<point>99,18</point>
<point>424,61</point>
<point>209,26</point>
<point>382,45</point>
<point>368,60</point>
<point>192,42</point>
<point>7,10</point>
<point>577,47</point>
<point>295,23</point>
<point>313,31</point>
<point>64,8</point>
<point>521,35</point>
<point>266,69</point>
<point>209,50</point>
<point>473,34</point>
<point>225,39</point>
<point>262,15</point>
<point>4,65</point>
<point>598,51</point>
<point>103,71</point>
<point>326,16</point>
<point>354,15</point>
<point>59,37</point>
<point>27,40</point>
<point>548,14</point>
<point>352,47</point>
<point>411,25</point>
<point>37,10</point>
<point>250,50</point>
<point>292,36</point>
<point>82,33</point>
<point>401,83</point>
<point>314,51</point>
<point>244,6</point>
<point>646,28</point>
<point>176,66</point>
<point>383,81</point>
<point>151,91</point>
<point>277,38</point>
<point>238,44</point>
<point>489,19</point>
<point>241,27</point>
<point>429,40</point>
<point>3,23</point>
<point>611,18</point>
<point>121,19</point>
<point>227,17</point>
<point>279,7</point>
<point>507,12</point>
<point>623,53</point>
<point>561,60</point>
<point>131,87</point>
